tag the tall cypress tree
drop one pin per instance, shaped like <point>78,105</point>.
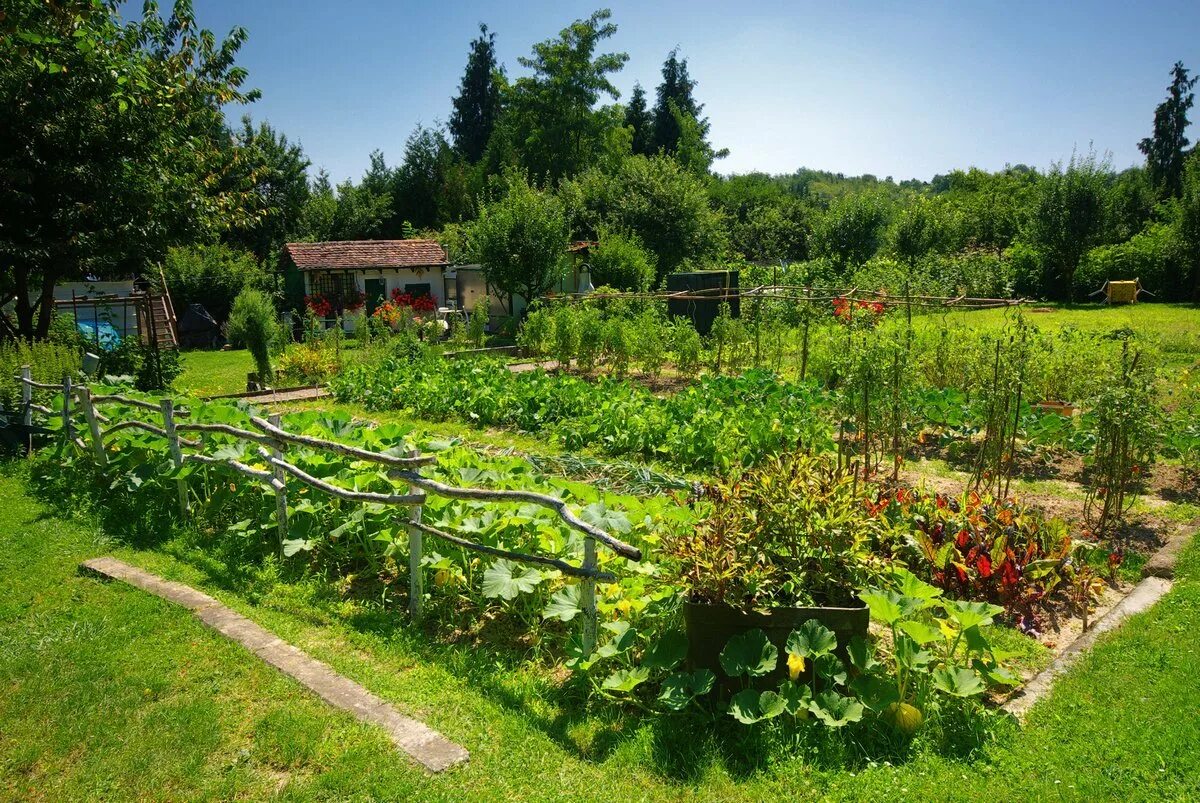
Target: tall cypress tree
<point>1164,150</point>
<point>478,103</point>
<point>675,89</point>
<point>637,117</point>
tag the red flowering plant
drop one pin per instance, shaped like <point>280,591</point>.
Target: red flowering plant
<point>977,547</point>
<point>321,306</point>
<point>422,303</point>
<point>861,312</point>
<point>403,306</point>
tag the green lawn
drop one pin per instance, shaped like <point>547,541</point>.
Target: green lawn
<point>1174,327</point>
<point>213,373</point>
<point>110,693</point>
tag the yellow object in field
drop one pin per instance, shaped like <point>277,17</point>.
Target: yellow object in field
<point>1123,292</point>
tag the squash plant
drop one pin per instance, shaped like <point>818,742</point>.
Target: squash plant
<point>936,651</point>
<point>937,648</point>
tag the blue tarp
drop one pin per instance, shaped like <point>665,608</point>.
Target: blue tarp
<point>100,332</point>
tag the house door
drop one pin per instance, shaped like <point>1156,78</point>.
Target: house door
<point>376,291</point>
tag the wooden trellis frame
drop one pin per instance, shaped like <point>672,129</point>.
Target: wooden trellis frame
<point>801,293</point>
<point>273,441</point>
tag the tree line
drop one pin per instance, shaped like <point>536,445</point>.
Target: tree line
<point>115,155</point>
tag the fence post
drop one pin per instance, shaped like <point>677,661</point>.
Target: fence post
<point>66,408</point>
<point>281,491</point>
<point>587,596</point>
<point>26,397</point>
<point>168,414</point>
<point>89,412</point>
<point>416,582</point>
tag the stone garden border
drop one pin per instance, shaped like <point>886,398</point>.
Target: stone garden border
<point>421,743</point>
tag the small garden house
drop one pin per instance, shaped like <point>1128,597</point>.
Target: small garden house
<point>352,276</point>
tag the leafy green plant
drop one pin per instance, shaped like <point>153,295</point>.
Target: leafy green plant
<point>685,347</point>
<point>477,326</point>
<point>976,546</point>
<point>938,651</point>
<point>1125,438</point>
<point>536,337</point>
<point>791,532</point>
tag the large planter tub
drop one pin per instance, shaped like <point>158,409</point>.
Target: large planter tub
<point>709,628</point>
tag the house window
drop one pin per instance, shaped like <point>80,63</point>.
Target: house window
<point>338,288</point>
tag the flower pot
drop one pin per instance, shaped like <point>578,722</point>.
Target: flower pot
<point>709,628</point>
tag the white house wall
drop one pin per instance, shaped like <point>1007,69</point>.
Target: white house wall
<point>394,278</point>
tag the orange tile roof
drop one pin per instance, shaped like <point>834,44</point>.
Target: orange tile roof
<point>367,254</point>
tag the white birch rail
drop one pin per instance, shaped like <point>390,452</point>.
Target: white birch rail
<point>272,439</point>
<point>562,566</point>
<point>489,495</point>
<point>340,448</point>
<point>370,497</point>
<point>145,405</point>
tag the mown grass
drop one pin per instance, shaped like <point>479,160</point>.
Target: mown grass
<point>213,373</point>
<point>1174,328</point>
<point>109,693</point>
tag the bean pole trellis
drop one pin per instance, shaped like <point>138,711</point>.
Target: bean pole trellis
<point>272,441</point>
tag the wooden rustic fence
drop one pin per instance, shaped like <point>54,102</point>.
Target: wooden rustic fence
<point>272,441</point>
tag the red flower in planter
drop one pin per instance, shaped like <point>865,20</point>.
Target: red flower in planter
<point>319,304</point>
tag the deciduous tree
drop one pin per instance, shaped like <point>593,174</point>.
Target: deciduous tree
<point>520,241</point>
<point>113,145</point>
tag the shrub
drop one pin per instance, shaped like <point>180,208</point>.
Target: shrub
<point>649,345</point>
<point>566,334</point>
<point>477,327</point>
<point>591,336</point>
<point>686,347</point>
<point>146,367</point>
<point>307,363</point>
<point>48,361</point>
<point>1153,256</point>
<point>252,324</point>
<point>620,262</point>
<point>537,332</point>
<point>619,344</point>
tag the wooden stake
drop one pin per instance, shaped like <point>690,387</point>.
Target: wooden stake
<point>26,396</point>
<point>66,408</point>
<point>281,514</point>
<point>168,414</point>
<point>587,596</point>
<point>84,395</point>
<point>416,581</point>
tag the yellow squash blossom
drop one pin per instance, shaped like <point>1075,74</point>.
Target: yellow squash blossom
<point>795,665</point>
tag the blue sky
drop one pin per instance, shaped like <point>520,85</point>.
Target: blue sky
<point>890,88</point>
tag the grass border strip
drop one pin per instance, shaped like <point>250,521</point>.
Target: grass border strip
<point>424,745</point>
<point>1158,578</point>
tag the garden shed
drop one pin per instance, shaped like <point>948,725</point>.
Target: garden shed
<point>360,274</point>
